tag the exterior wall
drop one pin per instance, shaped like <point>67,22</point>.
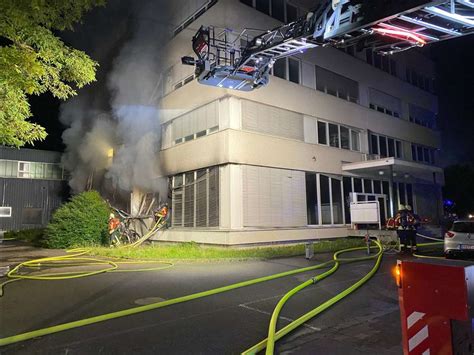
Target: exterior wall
<point>266,140</point>
<point>31,195</point>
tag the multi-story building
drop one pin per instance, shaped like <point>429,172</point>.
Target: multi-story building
<point>280,163</point>
<point>32,186</point>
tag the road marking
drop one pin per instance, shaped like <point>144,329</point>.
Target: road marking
<point>280,317</point>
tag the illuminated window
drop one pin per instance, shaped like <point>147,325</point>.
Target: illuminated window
<point>5,212</point>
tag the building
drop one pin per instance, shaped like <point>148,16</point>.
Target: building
<point>280,163</point>
<point>32,186</point>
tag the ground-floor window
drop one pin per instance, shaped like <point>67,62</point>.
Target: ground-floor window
<point>195,198</point>
<point>324,199</point>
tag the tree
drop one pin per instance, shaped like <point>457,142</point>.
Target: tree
<point>34,60</point>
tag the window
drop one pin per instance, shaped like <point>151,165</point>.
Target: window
<point>325,199</point>
<point>419,80</point>
<point>263,6</point>
<point>278,10</point>
<point>367,186</point>
<point>422,117</point>
<point>291,13</point>
<point>195,199</point>
<point>312,199</point>
<point>5,212</point>
<point>279,68</point>
<point>322,134</point>
<point>355,140</point>
<point>384,103</point>
<point>8,168</point>
<point>23,169</point>
<point>345,140</point>
<point>357,185</point>
<point>336,194</point>
<point>333,135</point>
<point>398,150</point>
<point>347,186</point>
<point>374,145</point>
<point>336,85</point>
<point>391,147</point>
<point>383,146</point>
<point>294,70</point>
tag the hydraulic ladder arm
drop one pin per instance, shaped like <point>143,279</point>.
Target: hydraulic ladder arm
<point>386,27</point>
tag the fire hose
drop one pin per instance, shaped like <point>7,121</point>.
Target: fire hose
<point>127,312</point>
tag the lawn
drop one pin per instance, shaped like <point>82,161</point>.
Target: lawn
<point>194,251</point>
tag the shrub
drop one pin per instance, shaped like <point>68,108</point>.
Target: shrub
<point>80,222</point>
<point>34,235</point>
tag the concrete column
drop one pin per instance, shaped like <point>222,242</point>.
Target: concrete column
<point>390,190</point>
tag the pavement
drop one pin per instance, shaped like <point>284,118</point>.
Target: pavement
<point>366,322</point>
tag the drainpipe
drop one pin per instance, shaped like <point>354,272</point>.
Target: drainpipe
<point>390,190</point>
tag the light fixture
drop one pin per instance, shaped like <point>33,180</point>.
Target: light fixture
<point>381,172</point>
<point>394,173</point>
<point>406,176</point>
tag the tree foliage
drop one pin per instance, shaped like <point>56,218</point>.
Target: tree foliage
<point>80,222</point>
<point>34,60</point>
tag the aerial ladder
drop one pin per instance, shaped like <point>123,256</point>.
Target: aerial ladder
<point>244,61</point>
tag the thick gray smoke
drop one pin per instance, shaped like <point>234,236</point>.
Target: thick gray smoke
<point>121,110</point>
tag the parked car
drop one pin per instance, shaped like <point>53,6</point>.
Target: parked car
<point>459,239</point>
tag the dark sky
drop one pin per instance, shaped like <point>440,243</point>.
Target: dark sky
<point>455,88</point>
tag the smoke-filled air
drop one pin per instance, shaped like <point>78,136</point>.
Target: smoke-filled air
<point>113,127</point>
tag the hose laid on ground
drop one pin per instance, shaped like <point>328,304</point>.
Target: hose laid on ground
<point>269,342</point>
<point>127,312</point>
<point>74,257</point>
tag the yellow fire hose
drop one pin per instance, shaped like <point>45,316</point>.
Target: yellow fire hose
<point>157,305</point>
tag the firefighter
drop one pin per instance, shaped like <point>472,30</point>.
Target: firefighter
<point>114,230</point>
<point>402,224</point>
<point>413,224</point>
<point>161,214</point>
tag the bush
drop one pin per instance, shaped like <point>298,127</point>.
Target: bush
<point>34,235</point>
<point>80,222</point>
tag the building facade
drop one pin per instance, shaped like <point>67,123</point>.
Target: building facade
<point>32,186</point>
<point>282,163</point>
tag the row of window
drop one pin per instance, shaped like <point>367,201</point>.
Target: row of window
<point>423,154</point>
<point>328,197</point>
<point>30,215</point>
<point>385,146</point>
<point>278,9</point>
<point>288,69</point>
<point>337,85</point>
<point>419,80</point>
<point>382,62</point>
<point>196,135</point>
<point>422,117</point>
<point>384,110</point>
<point>338,136</point>
<point>195,199</point>
<point>31,170</point>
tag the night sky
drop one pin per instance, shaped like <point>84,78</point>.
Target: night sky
<point>455,88</point>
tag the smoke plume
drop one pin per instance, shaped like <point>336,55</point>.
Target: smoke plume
<point>120,112</point>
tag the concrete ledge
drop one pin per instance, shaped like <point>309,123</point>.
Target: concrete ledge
<point>254,236</point>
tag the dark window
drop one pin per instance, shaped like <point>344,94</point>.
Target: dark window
<point>367,186</point>
<point>393,67</point>
<point>322,137</point>
<point>396,203</point>
<point>291,13</point>
<point>377,61</point>
<point>278,10</point>
<point>426,155</point>
<point>311,198</point>
<point>413,152</point>
<point>398,152</point>
<point>279,68</point>
<point>345,138</point>
<point>189,200</point>
<point>325,200</point>
<point>373,144</point>
<point>368,56</point>
<point>336,200</point>
<point>294,70</point>
<point>409,194</point>
<point>391,147</point>
<point>432,156</point>
<point>347,182</point>
<point>377,187</point>
<point>357,185</point>
<point>333,135</point>
<point>402,193</point>
<point>383,146</point>
<point>263,6</point>
<point>385,188</point>
<point>201,198</point>
<point>385,64</point>
<point>419,153</point>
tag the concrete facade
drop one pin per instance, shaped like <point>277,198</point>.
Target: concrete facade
<point>285,156</point>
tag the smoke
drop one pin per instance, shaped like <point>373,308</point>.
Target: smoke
<point>121,110</point>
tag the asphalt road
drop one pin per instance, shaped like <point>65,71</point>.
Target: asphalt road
<point>366,322</point>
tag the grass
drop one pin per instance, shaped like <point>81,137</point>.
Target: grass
<point>193,251</point>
